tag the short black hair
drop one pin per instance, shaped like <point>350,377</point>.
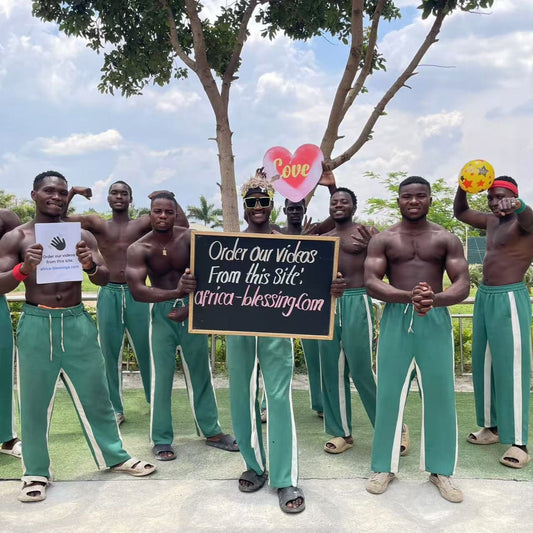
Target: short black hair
<point>302,201</point>
<point>46,174</point>
<point>347,191</point>
<point>414,179</point>
<point>165,196</point>
<point>122,183</point>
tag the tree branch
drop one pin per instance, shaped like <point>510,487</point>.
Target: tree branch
<point>367,65</point>
<point>180,52</point>
<point>409,71</point>
<point>350,71</point>
<point>233,64</point>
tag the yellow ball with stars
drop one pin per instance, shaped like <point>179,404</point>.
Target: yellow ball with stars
<point>476,176</point>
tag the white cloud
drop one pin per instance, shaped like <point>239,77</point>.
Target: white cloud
<point>6,7</point>
<point>482,107</point>
<point>435,124</point>
<point>83,143</point>
<point>172,100</point>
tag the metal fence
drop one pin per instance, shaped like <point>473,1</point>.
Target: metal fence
<point>463,320</point>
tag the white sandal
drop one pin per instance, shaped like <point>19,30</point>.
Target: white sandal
<point>15,451</point>
<point>37,487</point>
<point>135,467</point>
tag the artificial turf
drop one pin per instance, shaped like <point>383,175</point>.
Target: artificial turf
<point>72,460</point>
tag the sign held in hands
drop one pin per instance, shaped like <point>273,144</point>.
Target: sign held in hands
<point>265,285</point>
<point>60,262</point>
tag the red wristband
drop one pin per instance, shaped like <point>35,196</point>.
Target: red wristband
<point>17,274</point>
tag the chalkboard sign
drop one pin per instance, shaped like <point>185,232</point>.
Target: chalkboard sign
<point>266,285</point>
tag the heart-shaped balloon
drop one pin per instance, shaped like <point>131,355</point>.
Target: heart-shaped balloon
<point>294,176</point>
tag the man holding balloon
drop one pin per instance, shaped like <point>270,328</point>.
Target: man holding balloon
<point>501,351</point>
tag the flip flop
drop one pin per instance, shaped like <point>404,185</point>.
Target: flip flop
<point>32,486</point>
<point>159,449</point>
<point>339,445</point>
<point>256,481</point>
<point>226,442</point>
<point>515,457</point>
<point>289,494</point>
<point>404,444</point>
<point>15,451</point>
<point>483,436</point>
<point>134,467</point>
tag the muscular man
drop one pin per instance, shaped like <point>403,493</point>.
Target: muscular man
<point>117,313</point>
<point>296,225</point>
<point>274,355</point>
<point>11,445</point>
<point>350,350</point>
<point>163,255</point>
<point>501,350</point>
<point>416,334</point>
<point>56,338</point>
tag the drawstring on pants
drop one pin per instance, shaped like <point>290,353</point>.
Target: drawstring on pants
<point>51,336</point>
<point>178,302</point>
<point>410,329</point>
<point>123,304</point>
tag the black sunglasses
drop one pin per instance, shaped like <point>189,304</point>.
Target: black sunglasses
<point>251,202</point>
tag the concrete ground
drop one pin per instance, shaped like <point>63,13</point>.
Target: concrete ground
<point>127,504</point>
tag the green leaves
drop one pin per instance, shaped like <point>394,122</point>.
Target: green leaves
<point>433,7</point>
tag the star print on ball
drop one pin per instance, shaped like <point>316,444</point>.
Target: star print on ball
<point>476,176</point>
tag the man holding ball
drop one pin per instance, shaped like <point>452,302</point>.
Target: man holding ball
<point>501,351</point>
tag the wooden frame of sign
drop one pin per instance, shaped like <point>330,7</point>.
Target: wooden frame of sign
<point>264,285</point>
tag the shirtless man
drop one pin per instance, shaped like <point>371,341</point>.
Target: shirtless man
<point>11,445</point>
<point>298,224</point>
<point>501,350</point>
<point>276,360</point>
<point>117,313</point>
<point>350,350</point>
<point>56,338</point>
<point>413,254</point>
<point>163,256</point>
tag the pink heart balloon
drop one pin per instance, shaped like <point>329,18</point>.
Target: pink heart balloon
<point>294,176</point>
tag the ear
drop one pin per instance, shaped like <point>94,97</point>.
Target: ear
<point>33,195</point>
<point>430,200</point>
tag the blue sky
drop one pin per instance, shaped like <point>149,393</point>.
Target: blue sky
<point>480,106</point>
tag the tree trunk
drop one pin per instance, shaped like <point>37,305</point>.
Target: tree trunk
<point>226,162</point>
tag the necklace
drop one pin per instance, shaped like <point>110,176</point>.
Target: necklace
<point>163,248</point>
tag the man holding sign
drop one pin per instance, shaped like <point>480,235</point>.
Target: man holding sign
<point>56,338</point>
<point>274,356</point>
<point>163,255</point>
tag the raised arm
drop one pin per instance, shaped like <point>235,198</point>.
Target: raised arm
<point>181,218</point>
<point>462,211</point>
<point>8,221</point>
<point>375,270</point>
<point>94,223</point>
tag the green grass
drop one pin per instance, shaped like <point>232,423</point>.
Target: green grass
<point>71,459</point>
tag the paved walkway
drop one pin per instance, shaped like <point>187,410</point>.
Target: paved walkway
<point>333,505</point>
<point>123,504</point>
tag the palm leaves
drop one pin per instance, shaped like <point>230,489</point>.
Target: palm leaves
<point>206,213</point>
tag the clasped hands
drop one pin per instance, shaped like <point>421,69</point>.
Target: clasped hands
<point>422,298</point>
